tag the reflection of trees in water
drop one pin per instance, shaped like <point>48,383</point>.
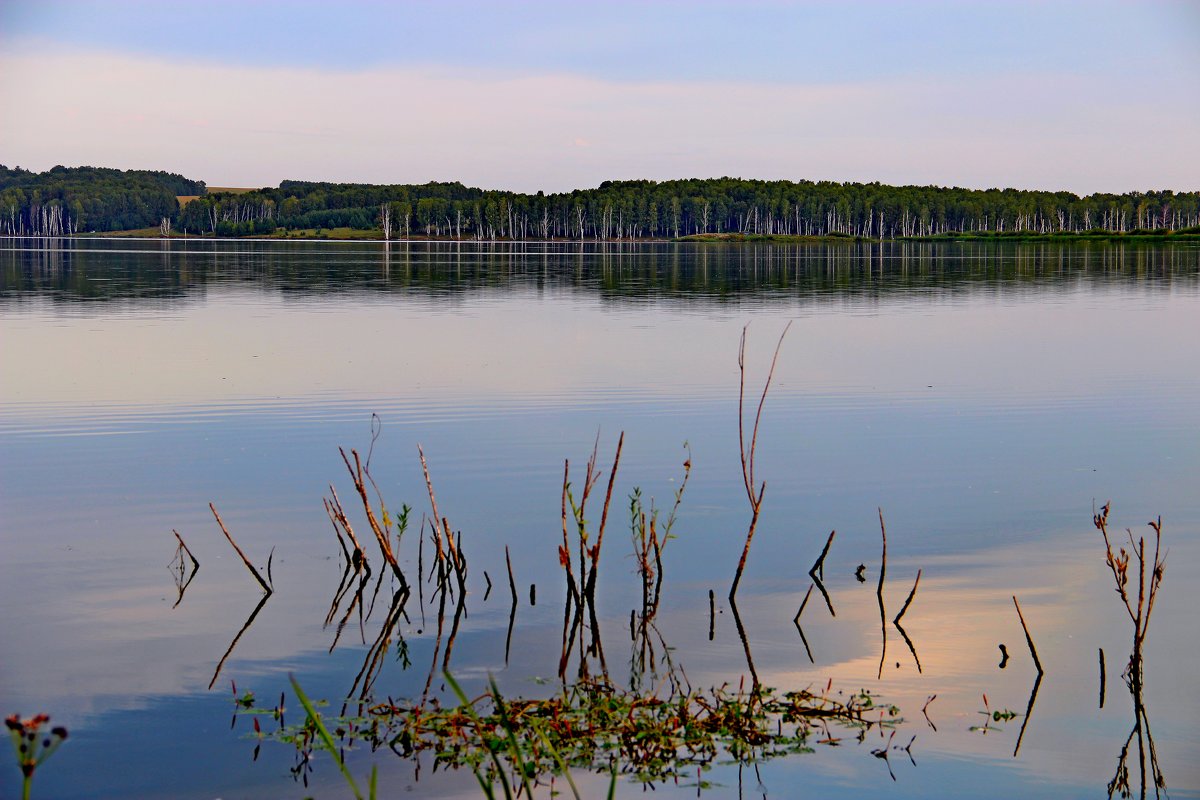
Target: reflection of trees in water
<point>165,272</point>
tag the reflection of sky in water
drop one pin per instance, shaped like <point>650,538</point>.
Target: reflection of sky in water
<point>984,418</point>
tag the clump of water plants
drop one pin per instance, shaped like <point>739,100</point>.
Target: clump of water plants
<point>594,726</point>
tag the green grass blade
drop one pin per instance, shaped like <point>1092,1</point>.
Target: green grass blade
<point>326,738</point>
<point>562,765</point>
<point>470,711</point>
<point>514,747</point>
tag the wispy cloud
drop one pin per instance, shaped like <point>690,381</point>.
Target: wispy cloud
<point>240,125</point>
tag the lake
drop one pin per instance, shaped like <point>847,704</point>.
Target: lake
<point>985,399</point>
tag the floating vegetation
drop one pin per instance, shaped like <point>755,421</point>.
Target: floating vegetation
<point>594,726</point>
<point>992,717</point>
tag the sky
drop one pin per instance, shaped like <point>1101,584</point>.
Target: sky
<point>1079,96</point>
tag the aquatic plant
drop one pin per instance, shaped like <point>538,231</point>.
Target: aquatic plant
<point>1147,585</point>
<point>650,538</point>
<point>32,744</point>
<point>1139,611</point>
<point>580,559</point>
<point>594,726</point>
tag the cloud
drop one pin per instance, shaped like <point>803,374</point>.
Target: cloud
<point>254,126</point>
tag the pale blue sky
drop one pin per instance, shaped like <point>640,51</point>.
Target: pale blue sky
<point>557,95</point>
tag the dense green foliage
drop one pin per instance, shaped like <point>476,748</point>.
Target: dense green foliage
<point>66,200</point>
<point>650,209</point>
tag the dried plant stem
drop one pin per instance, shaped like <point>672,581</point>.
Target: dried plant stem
<point>512,584</point>
<point>755,497</point>
<point>444,531</point>
<point>912,593</point>
<point>595,552</point>
<point>1028,639</point>
<point>564,552</point>
<point>818,568</point>
<point>186,549</point>
<point>879,592</point>
<point>265,586</point>
<point>337,516</point>
<point>357,474</point>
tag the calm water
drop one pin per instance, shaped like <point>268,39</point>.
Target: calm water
<point>983,396</point>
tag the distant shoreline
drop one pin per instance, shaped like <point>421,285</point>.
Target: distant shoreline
<point>349,235</point>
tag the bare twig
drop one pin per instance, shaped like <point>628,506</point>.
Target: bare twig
<point>818,568</point>
<point>1028,639</point>
<point>381,536</point>
<point>186,549</point>
<point>512,584</point>
<point>444,531</point>
<point>908,601</point>
<point>748,456</point>
<point>265,586</point>
<point>337,516</point>
<point>879,592</point>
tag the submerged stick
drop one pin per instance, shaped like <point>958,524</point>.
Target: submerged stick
<point>512,618</point>
<point>246,561</point>
<point>912,648</point>
<point>1028,639</point>
<point>803,603</point>
<point>804,639</point>
<point>796,621</point>
<point>741,629</point>
<point>249,621</point>
<point>1037,683</point>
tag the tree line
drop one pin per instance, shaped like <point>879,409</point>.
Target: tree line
<point>83,199</point>
<point>641,209</point>
<point>68,200</point>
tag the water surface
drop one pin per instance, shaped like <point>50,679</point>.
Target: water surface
<point>984,396</point>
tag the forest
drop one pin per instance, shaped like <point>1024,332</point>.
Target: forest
<point>68,200</point>
<point>644,209</point>
<point>65,201</point>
